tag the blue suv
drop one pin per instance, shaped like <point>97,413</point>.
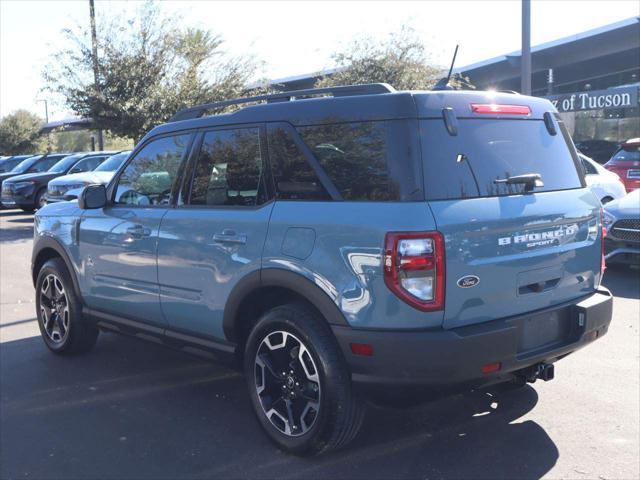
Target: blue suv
<point>337,244</point>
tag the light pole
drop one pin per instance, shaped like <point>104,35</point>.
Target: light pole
<point>46,120</point>
<point>94,54</point>
<point>525,60</point>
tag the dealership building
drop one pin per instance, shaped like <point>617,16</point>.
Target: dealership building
<point>592,77</point>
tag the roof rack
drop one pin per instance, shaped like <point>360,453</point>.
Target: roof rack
<point>343,91</point>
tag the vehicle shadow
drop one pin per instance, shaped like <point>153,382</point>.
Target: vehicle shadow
<point>135,410</point>
<point>15,234</point>
<point>28,220</point>
<point>623,281</point>
<point>10,213</point>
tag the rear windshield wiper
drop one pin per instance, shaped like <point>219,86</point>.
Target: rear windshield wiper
<point>529,180</point>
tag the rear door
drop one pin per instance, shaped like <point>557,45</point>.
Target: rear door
<point>508,250</point>
<point>216,236</point>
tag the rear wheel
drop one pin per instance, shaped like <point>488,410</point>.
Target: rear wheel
<point>299,383</point>
<point>62,327</point>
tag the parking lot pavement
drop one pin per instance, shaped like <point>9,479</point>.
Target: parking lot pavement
<point>135,410</point>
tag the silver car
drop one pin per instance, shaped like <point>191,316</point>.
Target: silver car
<point>69,187</point>
<point>622,220</point>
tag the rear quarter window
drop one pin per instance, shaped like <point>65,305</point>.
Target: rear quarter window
<point>467,165</point>
<point>368,161</point>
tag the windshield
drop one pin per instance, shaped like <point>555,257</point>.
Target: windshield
<point>468,164</point>
<point>9,164</point>
<point>627,154</point>
<point>24,165</point>
<point>65,164</point>
<point>112,163</point>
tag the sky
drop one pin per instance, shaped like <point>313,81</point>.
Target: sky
<point>294,38</point>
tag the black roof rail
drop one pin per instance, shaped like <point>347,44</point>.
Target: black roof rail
<point>342,91</point>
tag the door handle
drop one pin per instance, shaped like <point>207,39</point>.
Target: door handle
<point>138,231</point>
<point>230,236</point>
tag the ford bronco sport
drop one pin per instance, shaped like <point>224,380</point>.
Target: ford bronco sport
<point>335,242</point>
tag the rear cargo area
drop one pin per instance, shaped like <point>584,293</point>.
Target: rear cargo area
<point>512,246</point>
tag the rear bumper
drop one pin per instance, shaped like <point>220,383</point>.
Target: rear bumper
<point>449,358</point>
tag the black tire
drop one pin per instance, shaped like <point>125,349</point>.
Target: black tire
<point>40,200</point>
<point>78,335</point>
<point>340,412</point>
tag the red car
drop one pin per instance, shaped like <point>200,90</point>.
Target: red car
<point>626,163</point>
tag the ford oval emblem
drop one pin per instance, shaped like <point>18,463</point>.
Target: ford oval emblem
<point>468,281</point>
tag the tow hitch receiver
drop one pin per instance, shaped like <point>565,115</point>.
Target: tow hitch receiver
<point>542,371</point>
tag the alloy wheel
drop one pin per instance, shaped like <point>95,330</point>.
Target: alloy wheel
<point>287,383</point>
<point>54,309</point>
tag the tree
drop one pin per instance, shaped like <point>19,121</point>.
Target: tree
<point>401,61</point>
<point>148,68</point>
<point>20,133</point>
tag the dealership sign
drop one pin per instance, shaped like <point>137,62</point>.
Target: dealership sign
<point>623,97</point>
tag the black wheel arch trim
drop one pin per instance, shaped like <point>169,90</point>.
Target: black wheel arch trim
<point>44,242</point>
<point>278,277</point>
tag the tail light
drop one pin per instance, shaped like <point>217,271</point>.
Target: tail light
<point>414,268</point>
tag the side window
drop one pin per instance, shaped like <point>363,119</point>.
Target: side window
<point>588,168</point>
<point>148,179</point>
<point>229,169</point>
<point>293,177</point>
<point>86,165</point>
<point>354,155</point>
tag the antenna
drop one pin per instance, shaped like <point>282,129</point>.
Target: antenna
<point>443,83</point>
<point>453,61</point>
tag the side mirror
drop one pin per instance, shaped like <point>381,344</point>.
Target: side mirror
<point>93,196</point>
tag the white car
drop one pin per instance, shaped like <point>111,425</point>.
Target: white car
<point>68,187</point>
<point>605,184</point>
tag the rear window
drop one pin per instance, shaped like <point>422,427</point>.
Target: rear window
<point>367,161</point>
<point>467,165</point>
<point>629,153</point>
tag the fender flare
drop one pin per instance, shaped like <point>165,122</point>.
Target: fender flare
<point>44,242</point>
<point>278,277</point>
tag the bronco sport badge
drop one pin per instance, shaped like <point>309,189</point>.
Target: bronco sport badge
<point>550,237</point>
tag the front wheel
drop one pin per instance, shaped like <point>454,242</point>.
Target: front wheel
<point>62,326</point>
<point>299,383</point>
<point>41,199</point>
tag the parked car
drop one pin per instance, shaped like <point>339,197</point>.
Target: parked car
<point>622,220</point>
<point>28,191</point>
<point>598,150</point>
<point>336,247</point>
<point>32,164</point>
<point>68,187</point>
<point>9,163</point>
<point>606,185</point>
<point>626,163</point>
